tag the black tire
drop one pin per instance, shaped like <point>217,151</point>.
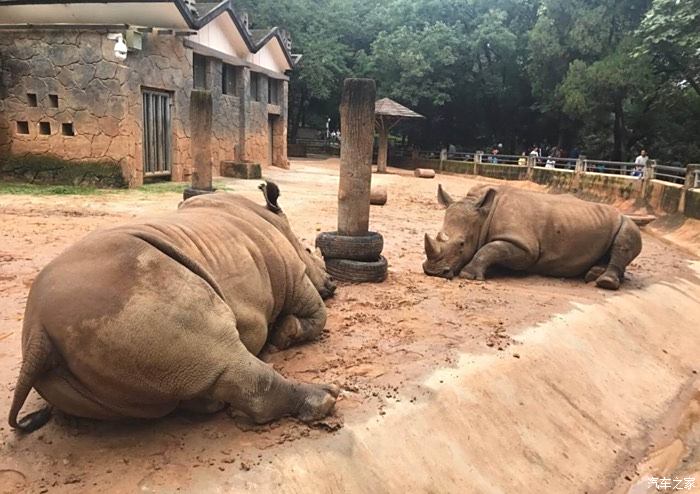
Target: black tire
<point>361,248</point>
<point>357,271</point>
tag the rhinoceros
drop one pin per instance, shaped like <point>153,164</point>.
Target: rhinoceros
<point>555,235</point>
<point>138,320</point>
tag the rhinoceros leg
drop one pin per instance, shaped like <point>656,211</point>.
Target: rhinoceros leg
<point>594,273</point>
<point>625,247</point>
<point>202,405</point>
<point>498,252</point>
<point>305,319</point>
<point>256,389</point>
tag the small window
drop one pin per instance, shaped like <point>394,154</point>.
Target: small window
<point>67,129</point>
<point>228,79</point>
<point>23,127</point>
<point>53,100</point>
<point>255,86</point>
<point>273,91</point>
<point>199,71</point>
<point>45,128</point>
<point>32,100</point>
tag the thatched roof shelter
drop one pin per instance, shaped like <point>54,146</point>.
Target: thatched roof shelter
<point>388,113</point>
<point>387,107</point>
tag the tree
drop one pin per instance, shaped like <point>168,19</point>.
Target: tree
<point>670,34</point>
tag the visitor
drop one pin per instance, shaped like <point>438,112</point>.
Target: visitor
<point>550,162</point>
<point>494,156</point>
<point>640,164</point>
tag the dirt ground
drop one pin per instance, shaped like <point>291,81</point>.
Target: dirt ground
<point>379,342</point>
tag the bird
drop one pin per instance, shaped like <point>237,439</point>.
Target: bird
<point>271,193</point>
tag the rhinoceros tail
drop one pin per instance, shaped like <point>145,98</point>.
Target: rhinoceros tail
<point>36,359</point>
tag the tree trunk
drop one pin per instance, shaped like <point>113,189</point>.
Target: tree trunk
<point>357,131</point>
<point>618,131</point>
<point>383,152</point>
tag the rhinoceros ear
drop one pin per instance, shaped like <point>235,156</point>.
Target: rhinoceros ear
<point>271,193</point>
<point>443,197</point>
<point>484,203</point>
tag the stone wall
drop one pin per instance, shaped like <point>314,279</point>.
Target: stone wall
<point>99,95</point>
<point>101,98</point>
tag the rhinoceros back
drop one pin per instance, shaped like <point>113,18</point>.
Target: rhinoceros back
<point>566,235</point>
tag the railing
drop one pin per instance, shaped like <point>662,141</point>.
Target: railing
<point>696,180</point>
<point>673,174</point>
<point>612,167</point>
<point>554,162</point>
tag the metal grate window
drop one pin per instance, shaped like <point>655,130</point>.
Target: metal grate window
<point>156,133</point>
<point>228,79</point>
<point>199,71</point>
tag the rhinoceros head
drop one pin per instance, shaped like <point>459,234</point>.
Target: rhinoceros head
<point>458,240</point>
<point>315,267</point>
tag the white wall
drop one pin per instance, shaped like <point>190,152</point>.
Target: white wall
<point>153,14</point>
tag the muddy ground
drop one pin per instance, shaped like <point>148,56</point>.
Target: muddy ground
<point>379,340</point>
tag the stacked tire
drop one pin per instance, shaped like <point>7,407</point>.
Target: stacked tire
<point>353,258</point>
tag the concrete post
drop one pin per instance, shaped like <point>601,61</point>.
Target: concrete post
<point>530,167</point>
<point>478,159</point>
<point>692,180</point>
<point>580,164</point>
<point>443,158</point>
<point>647,176</point>
<point>692,177</point>
<point>357,129</point>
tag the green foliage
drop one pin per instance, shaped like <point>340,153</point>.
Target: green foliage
<point>670,34</point>
<point>42,190</point>
<point>605,76</point>
<point>48,169</point>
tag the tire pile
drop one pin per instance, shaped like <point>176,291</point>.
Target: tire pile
<point>353,258</point>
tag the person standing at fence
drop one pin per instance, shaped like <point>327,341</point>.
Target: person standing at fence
<point>640,163</point>
<point>494,156</point>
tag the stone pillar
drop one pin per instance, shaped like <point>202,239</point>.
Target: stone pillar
<point>357,129</point>
<point>200,122</point>
<point>244,92</point>
<point>279,156</point>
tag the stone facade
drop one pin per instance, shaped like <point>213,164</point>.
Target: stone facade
<point>63,92</point>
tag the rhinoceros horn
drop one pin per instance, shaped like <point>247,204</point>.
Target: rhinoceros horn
<point>432,249</point>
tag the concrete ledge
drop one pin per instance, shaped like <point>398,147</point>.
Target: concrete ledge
<point>236,169</point>
<point>692,203</point>
<point>664,196</point>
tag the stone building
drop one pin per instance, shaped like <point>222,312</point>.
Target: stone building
<point>67,90</point>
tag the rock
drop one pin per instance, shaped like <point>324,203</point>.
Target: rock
<point>378,196</point>
<point>241,170</point>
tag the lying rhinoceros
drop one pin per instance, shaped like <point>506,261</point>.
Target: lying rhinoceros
<point>138,320</point>
<point>556,235</point>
